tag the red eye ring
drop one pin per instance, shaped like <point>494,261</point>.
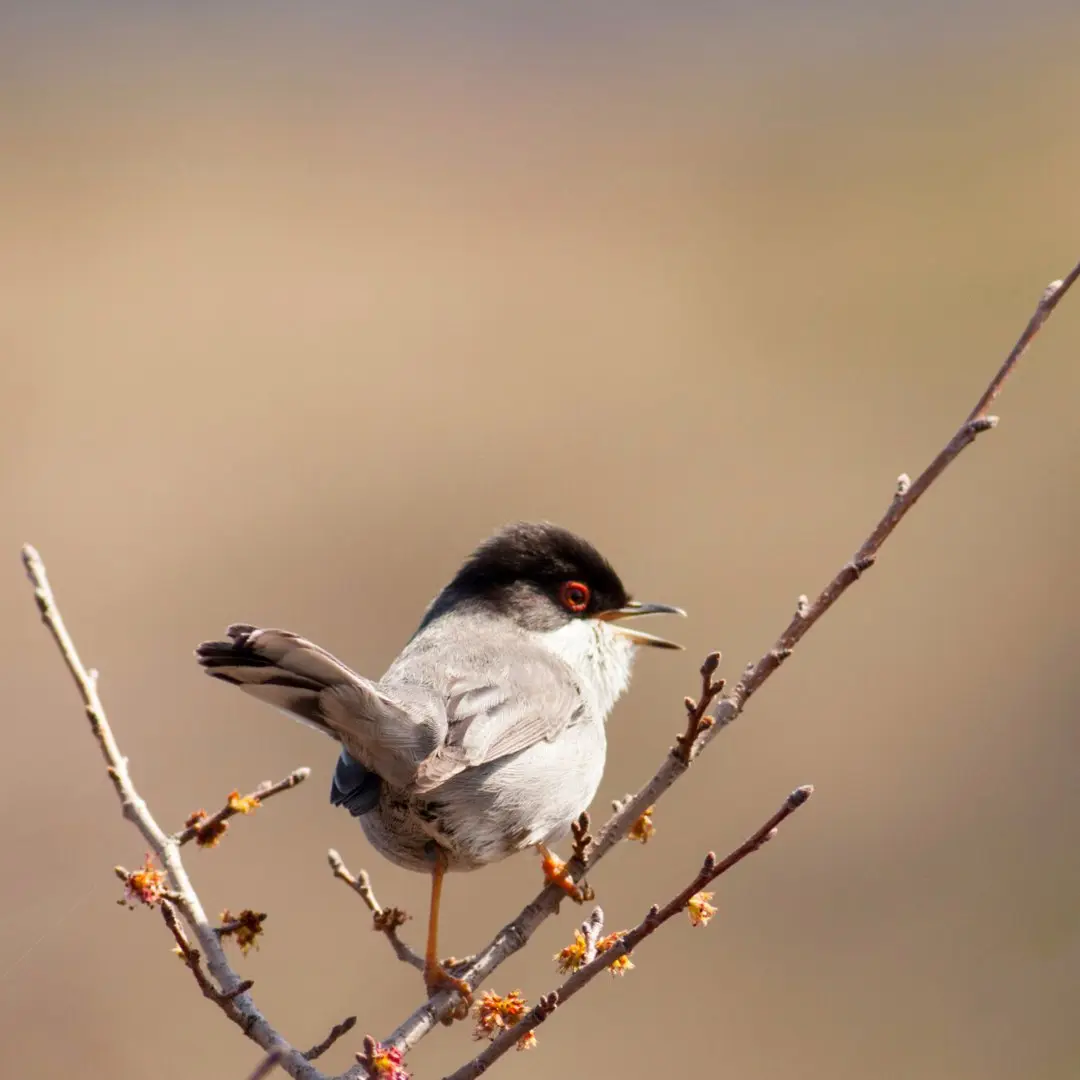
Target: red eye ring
<point>574,596</point>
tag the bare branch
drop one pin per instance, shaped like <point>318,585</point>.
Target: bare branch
<point>582,837</point>
<point>192,957</point>
<point>386,920</point>
<point>696,711</point>
<point>199,827</point>
<point>907,494</point>
<point>516,934</point>
<point>172,889</point>
<point>654,919</point>
<point>591,929</point>
<point>336,1032</point>
<point>232,996</point>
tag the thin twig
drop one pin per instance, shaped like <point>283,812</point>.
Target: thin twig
<point>386,920</point>
<point>591,929</point>
<point>710,870</point>
<point>696,711</point>
<point>582,837</point>
<point>336,1032</point>
<point>516,934</point>
<point>233,995</point>
<point>192,957</point>
<point>906,496</point>
<point>235,1002</point>
<point>211,826</point>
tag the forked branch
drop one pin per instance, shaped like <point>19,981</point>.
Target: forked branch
<point>656,917</point>
<point>206,831</point>
<point>387,921</point>
<point>515,935</point>
<point>220,983</point>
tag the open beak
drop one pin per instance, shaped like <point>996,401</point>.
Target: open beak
<point>639,637</point>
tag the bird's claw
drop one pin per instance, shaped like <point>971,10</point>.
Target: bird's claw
<point>556,873</point>
<point>437,979</point>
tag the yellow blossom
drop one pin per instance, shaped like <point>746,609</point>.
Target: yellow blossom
<point>527,1041</point>
<point>384,1062</point>
<point>643,829</point>
<point>245,928</point>
<point>147,884</point>
<point>495,1013</point>
<point>573,956</point>
<point>624,963</point>
<point>207,831</point>
<point>699,909</point>
<point>243,804</point>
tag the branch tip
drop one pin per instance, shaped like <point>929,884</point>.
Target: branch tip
<point>710,664</point>
<point>582,838</point>
<point>207,831</point>
<point>387,921</point>
<point>336,1032</point>
<point>182,897</point>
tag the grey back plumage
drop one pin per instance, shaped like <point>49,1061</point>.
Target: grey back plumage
<point>450,702</point>
<point>492,701</point>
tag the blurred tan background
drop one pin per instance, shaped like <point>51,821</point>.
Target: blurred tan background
<point>297,306</point>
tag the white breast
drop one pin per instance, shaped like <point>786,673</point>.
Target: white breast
<point>600,656</point>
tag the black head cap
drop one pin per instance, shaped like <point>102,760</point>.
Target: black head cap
<point>525,570</point>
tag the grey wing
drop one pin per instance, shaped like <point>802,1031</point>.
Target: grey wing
<point>387,736</point>
<point>490,718</point>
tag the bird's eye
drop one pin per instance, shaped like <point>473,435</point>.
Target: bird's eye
<point>574,595</point>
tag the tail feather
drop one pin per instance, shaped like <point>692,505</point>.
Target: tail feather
<point>277,667</point>
<point>293,674</point>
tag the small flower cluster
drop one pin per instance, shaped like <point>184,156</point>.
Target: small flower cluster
<point>699,909</point>
<point>623,964</point>
<point>243,804</point>
<point>210,833</point>
<point>244,928</point>
<point>642,830</point>
<point>573,956</point>
<point>389,920</point>
<point>495,1014</point>
<point>145,885</point>
<point>382,1062</point>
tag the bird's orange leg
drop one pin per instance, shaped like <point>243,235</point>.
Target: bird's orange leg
<point>556,873</point>
<point>436,977</point>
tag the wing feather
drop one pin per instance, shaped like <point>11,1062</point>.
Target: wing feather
<point>488,719</point>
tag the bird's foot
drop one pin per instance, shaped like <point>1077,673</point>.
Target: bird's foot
<point>556,872</point>
<point>437,978</point>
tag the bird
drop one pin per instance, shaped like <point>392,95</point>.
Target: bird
<point>486,736</point>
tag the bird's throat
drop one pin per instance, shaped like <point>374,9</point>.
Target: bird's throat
<point>599,655</point>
